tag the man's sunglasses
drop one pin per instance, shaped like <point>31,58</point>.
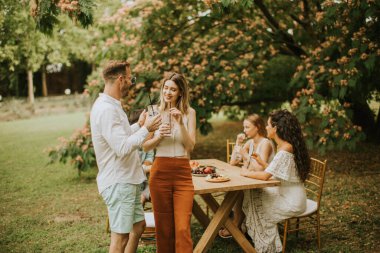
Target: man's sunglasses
<point>133,80</point>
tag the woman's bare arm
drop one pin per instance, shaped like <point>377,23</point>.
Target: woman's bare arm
<point>188,135</point>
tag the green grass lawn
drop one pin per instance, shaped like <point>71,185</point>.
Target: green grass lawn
<point>47,208</point>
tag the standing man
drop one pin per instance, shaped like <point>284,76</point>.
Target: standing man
<point>116,144</point>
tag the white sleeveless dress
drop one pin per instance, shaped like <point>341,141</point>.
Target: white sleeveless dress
<point>266,207</point>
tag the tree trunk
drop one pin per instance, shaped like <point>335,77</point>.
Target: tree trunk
<point>44,83</point>
<point>377,127</point>
<point>364,116</point>
<point>30,87</point>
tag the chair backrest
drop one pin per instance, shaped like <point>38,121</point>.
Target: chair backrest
<point>315,180</point>
<point>229,148</point>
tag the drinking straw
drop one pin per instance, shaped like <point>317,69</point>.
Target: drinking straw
<point>170,116</point>
<point>150,101</point>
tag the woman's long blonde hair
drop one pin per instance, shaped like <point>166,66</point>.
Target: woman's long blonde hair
<point>257,121</point>
<point>183,100</point>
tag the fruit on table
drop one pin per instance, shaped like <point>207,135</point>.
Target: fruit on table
<point>208,170</point>
<point>203,170</point>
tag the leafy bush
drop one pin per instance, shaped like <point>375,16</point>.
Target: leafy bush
<point>78,150</point>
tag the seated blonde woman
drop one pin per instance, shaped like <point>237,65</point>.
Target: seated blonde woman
<point>254,130</point>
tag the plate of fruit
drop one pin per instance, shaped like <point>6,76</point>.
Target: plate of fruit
<point>217,178</point>
<point>203,170</point>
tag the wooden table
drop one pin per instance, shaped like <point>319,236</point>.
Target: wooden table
<point>233,189</point>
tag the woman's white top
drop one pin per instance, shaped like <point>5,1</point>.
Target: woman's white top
<point>264,208</point>
<point>172,146</point>
<point>259,151</point>
<point>292,190</point>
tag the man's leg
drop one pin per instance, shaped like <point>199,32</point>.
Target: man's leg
<point>124,209</point>
<point>134,237</point>
<point>118,242</point>
<point>138,222</point>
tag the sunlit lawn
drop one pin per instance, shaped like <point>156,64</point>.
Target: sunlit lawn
<point>49,209</point>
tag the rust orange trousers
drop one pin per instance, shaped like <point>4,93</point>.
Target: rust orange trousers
<point>172,193</point>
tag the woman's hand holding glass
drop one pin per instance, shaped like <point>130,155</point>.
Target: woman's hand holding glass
<point>165,130</point>
<point>258,159</point>
<point>240,139</point>
<point>238,147</point>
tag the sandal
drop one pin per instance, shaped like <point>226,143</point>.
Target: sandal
<point>222,233</point>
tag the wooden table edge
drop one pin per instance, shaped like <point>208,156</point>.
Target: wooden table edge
<point>269,183</point>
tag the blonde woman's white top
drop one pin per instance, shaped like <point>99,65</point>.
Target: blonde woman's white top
<point>249,164</point>
<point>172,146</point>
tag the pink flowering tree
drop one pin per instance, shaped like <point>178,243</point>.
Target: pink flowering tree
<point>46,12</point>
<point>337,49</point>
<point>318,59</point>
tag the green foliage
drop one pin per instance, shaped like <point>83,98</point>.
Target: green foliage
<point>337,61</point>
<point>47,11</point>
<point>23,47</point>
<point>78,150</point>
<point>252,56</point>
<point>222,56</point>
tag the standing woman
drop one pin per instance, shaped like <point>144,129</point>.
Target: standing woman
<point>171,184</point>
<point>291,165</point>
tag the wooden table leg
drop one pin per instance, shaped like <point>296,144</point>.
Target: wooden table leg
<point>221,215</point>
<point>234,230</point>
<point>200,215</point>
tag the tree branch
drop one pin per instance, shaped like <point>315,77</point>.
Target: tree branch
<point>254,101</point>
<point>306,9</point>
<point>306,26</point>
<point>318,4</point>
<point>298,51</point>
<point>299,21</point>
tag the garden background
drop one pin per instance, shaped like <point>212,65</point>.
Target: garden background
<point>320,59</point>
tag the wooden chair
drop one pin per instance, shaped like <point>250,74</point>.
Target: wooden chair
<point>311,217</point>
<point>229,148</point>
<point>148,237</point>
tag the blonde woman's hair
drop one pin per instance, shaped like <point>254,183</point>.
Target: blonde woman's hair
<point>183,103</point>
<point>257,121</point>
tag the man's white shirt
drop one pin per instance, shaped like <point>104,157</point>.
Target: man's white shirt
<point>116,143</point>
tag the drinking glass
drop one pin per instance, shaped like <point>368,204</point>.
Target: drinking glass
<point>167,119</point>
<point>152,110</point>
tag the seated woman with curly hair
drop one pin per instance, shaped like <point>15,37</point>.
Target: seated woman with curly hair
<point>266,207</point>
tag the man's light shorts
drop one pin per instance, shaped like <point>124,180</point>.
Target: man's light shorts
<point>124,206</point>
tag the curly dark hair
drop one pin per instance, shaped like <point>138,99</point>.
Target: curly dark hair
<point>289,129</point>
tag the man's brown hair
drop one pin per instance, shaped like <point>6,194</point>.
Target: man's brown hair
<point>114,69</point>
